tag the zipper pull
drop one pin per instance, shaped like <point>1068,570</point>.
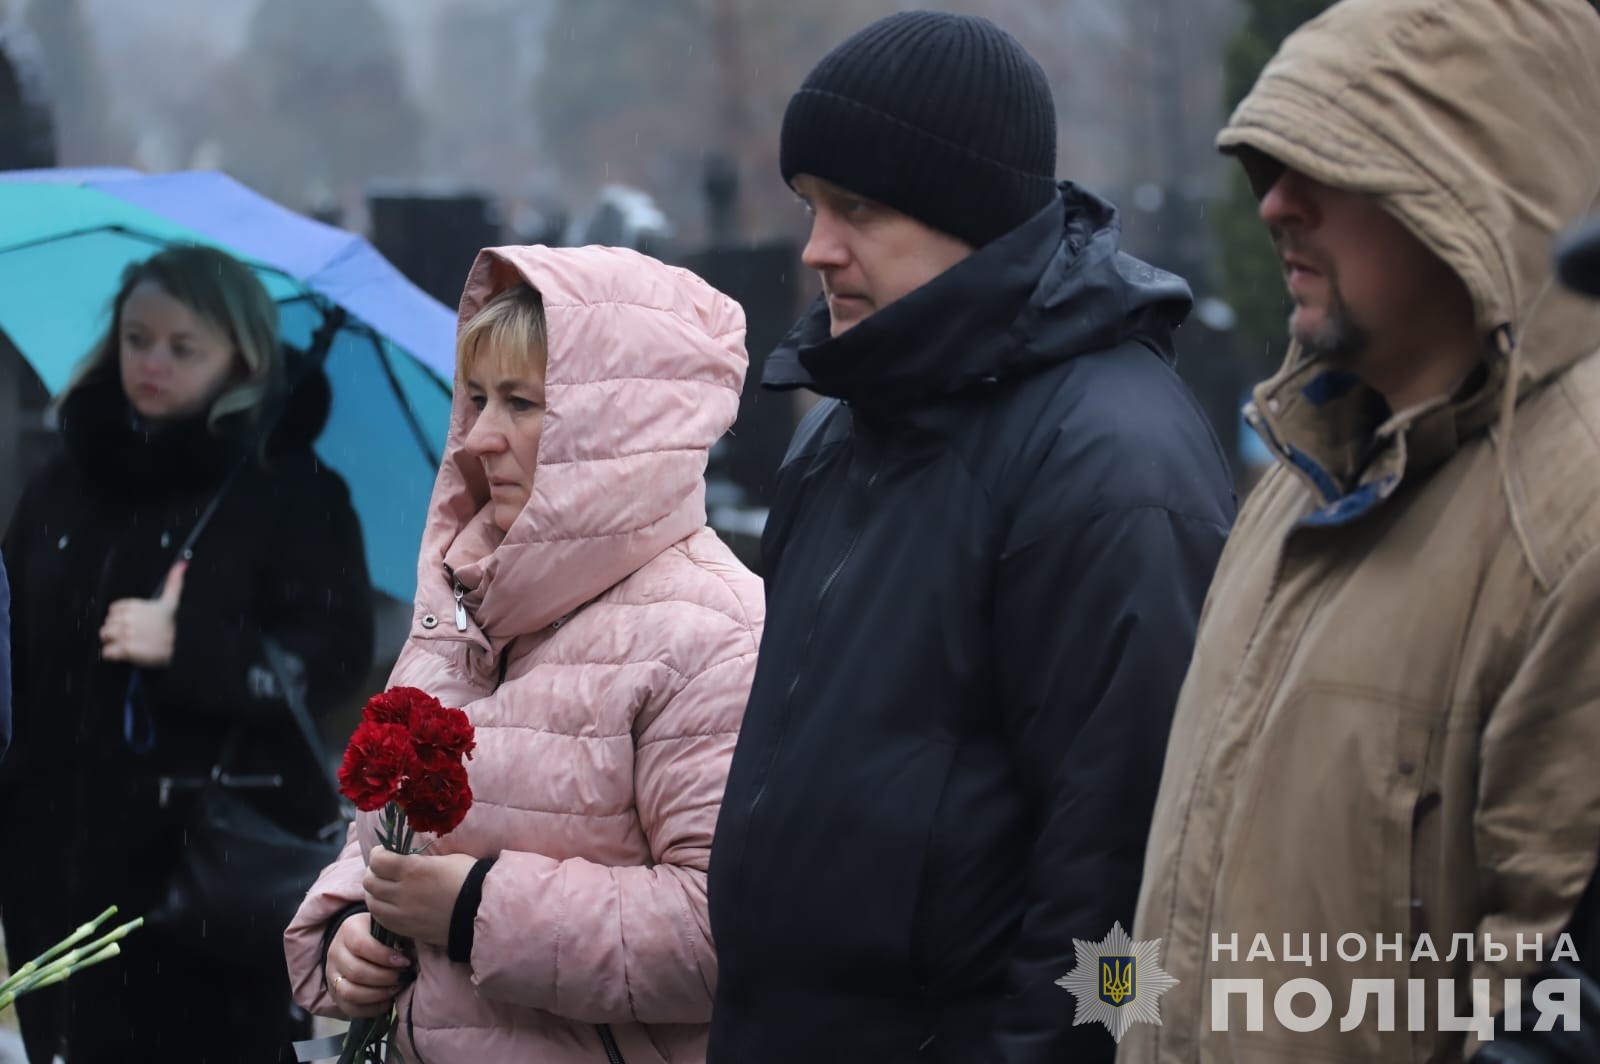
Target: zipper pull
<point>461,608</point>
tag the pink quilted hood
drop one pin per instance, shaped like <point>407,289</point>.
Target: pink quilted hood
<point>645,366</point>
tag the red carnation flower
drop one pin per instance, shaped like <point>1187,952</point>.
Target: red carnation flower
<point>405,758</point>
<point>378,761</point>
<point>436,800</point>
<point>447,731</point>
<point>399,705</point>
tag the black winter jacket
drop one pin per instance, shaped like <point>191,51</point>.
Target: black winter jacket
<point>281,557</point>
<point>5,660</point>
<point>985,564</point>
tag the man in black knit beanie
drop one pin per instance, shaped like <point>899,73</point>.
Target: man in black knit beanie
<point>985,560</point>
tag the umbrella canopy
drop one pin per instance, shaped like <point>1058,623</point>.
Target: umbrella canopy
<point>67,235</point>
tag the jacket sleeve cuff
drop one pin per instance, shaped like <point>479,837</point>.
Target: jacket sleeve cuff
<point>465,914</point>
<point>334,923</point>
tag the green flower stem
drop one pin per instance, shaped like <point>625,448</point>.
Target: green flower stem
<point>53,959</point>
<point>25,973</point>
<point>76,959</point>
<point>54,966</point>
<point>389,836</point>
<point>62,971</point>
<point>365,1042</point>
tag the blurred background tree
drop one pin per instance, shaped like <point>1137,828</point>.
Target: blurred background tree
<point>74,82</point>
<point>316,105</point>
<point>1252,281</point>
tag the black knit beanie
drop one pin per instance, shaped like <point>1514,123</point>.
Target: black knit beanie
<point>942,117</point>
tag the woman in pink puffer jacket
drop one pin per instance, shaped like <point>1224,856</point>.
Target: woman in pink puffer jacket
<point>572,600</point>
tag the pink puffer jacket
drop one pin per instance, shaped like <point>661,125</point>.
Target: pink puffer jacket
<point>628,634</point>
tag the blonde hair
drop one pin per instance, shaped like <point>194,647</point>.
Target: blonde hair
<point>512,324</point>
<point>225,294</point>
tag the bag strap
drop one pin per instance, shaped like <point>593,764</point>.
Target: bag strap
<point>186,551</point>
<point>278,659</point>
<point>138,730</point>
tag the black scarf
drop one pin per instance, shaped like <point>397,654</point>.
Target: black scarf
<point>123,454</point>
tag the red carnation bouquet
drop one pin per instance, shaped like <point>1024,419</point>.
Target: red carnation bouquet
<point>407,758</point>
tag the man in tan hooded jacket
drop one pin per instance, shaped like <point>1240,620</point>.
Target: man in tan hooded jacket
<point>1391,727</point>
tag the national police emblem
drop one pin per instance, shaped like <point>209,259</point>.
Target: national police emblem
<point>1118,982</point>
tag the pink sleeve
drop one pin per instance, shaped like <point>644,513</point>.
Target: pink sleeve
<point>616,945</point>
<point>336,889</point>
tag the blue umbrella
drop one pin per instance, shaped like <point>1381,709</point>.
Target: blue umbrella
<point>66,235</point>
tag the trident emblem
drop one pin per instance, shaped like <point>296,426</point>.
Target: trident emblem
<point>1119,980</point>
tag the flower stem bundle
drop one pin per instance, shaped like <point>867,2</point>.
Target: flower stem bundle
<point>67,957</point>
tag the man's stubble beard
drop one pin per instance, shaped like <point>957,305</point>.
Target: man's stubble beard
<point>1339,340</point>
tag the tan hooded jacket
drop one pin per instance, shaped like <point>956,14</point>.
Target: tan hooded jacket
<point>1391,726</point>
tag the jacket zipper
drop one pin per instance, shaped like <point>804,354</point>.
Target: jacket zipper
<point>613,1054</point>
<point>805,650</point>
<point>794,682</point>
<point>1267,694</point>
<point>461,606</point>
<point>1287,454</point>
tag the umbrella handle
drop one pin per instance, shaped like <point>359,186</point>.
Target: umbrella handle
<point>334,318</point>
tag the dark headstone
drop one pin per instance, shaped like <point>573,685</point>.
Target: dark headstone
<point>433,238</point>
<point>764,279</point>
<point>722,200</point>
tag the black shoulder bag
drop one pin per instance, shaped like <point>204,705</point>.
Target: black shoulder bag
<point>241,874</point>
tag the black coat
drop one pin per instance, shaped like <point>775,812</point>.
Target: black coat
<point>985,564</point>
<point>281,557</point>
<point>5,660</point>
